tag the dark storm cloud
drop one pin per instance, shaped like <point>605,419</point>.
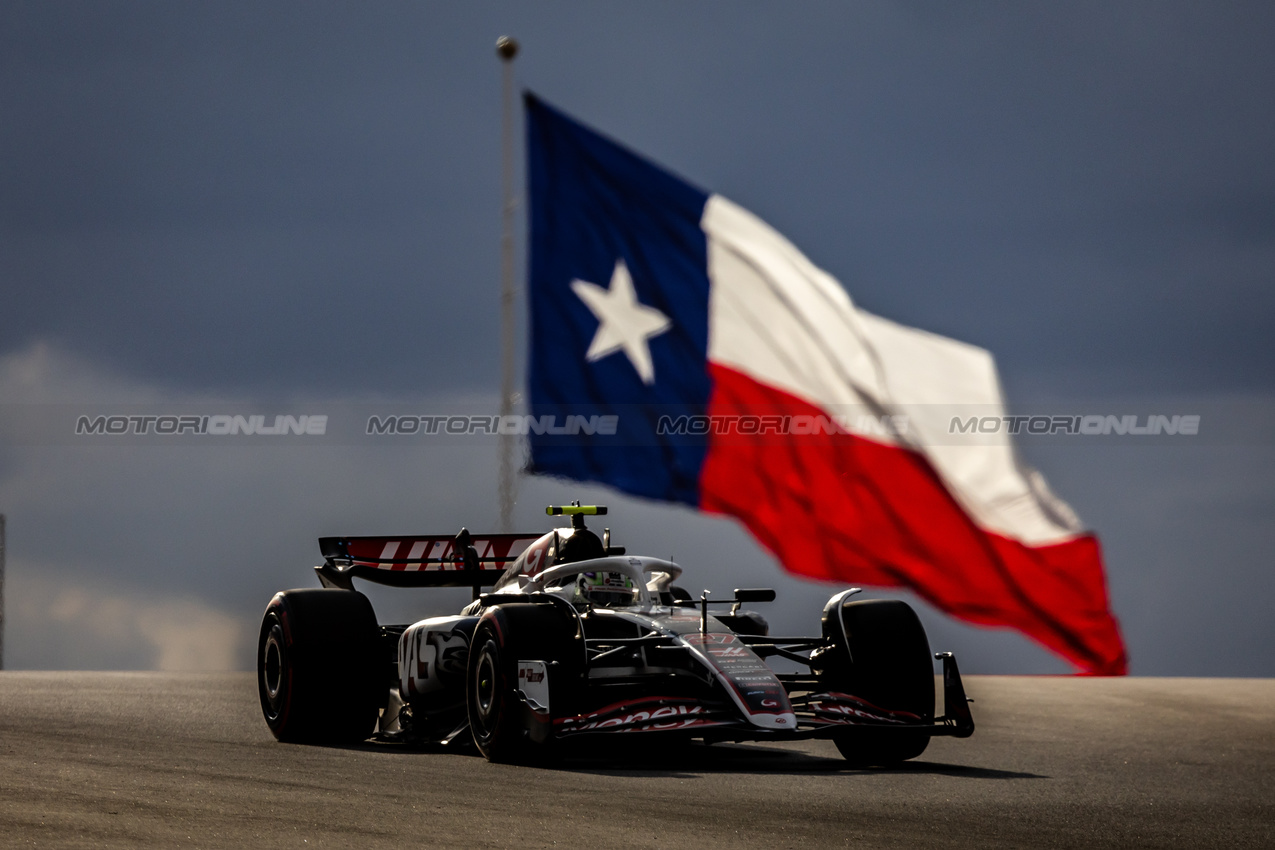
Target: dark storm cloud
<point>215,195</point>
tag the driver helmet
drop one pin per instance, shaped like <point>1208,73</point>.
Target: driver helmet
<point>606,589</point>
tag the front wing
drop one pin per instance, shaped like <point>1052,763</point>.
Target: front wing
<point>819,713</point>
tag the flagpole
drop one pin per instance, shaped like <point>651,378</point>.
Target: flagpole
<point>2,591</point>
<point>507,49</point>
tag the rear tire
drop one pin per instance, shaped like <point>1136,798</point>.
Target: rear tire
<point>320,674</point>
<point>883,656</point>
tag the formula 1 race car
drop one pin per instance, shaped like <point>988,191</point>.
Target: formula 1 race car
<point>579,639</point>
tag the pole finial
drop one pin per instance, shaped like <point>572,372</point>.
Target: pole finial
<point>506,48</point>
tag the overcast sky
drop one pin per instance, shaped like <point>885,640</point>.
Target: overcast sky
<point>276,207</point>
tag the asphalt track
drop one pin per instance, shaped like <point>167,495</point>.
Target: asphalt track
<point>162,760</point>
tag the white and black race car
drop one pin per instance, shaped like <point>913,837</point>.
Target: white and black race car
<point>577,639</point>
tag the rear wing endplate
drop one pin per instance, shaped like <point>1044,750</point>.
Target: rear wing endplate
<point>420,560</point>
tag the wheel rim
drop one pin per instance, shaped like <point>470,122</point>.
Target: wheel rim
<point>485,685</point>
<point>273,668</point>
<point>273,671</point>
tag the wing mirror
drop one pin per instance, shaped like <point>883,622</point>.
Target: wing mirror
<point>754,594</point>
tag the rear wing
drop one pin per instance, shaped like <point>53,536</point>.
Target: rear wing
<point>420,560</point>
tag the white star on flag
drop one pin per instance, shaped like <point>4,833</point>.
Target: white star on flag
<point>624,322</point>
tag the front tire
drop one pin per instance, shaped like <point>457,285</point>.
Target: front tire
<point>492,705</point>
<point>504,728</point>
<point>319,671</point>
<point>883,656</point>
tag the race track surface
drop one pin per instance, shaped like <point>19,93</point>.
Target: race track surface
<point>163,760</point>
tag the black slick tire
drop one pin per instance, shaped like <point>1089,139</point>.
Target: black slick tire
<point>320,674</point>
<point>499,719</point>
<point>883,656</point>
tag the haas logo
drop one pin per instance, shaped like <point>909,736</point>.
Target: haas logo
<point>728,652</point>
<point>430,660</point>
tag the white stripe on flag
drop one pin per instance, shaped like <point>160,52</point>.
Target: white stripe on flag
<point>778,318</point>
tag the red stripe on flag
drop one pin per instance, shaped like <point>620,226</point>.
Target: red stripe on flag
<point>843,508</point>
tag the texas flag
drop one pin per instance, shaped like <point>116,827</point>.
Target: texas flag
<point>743,380</point>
